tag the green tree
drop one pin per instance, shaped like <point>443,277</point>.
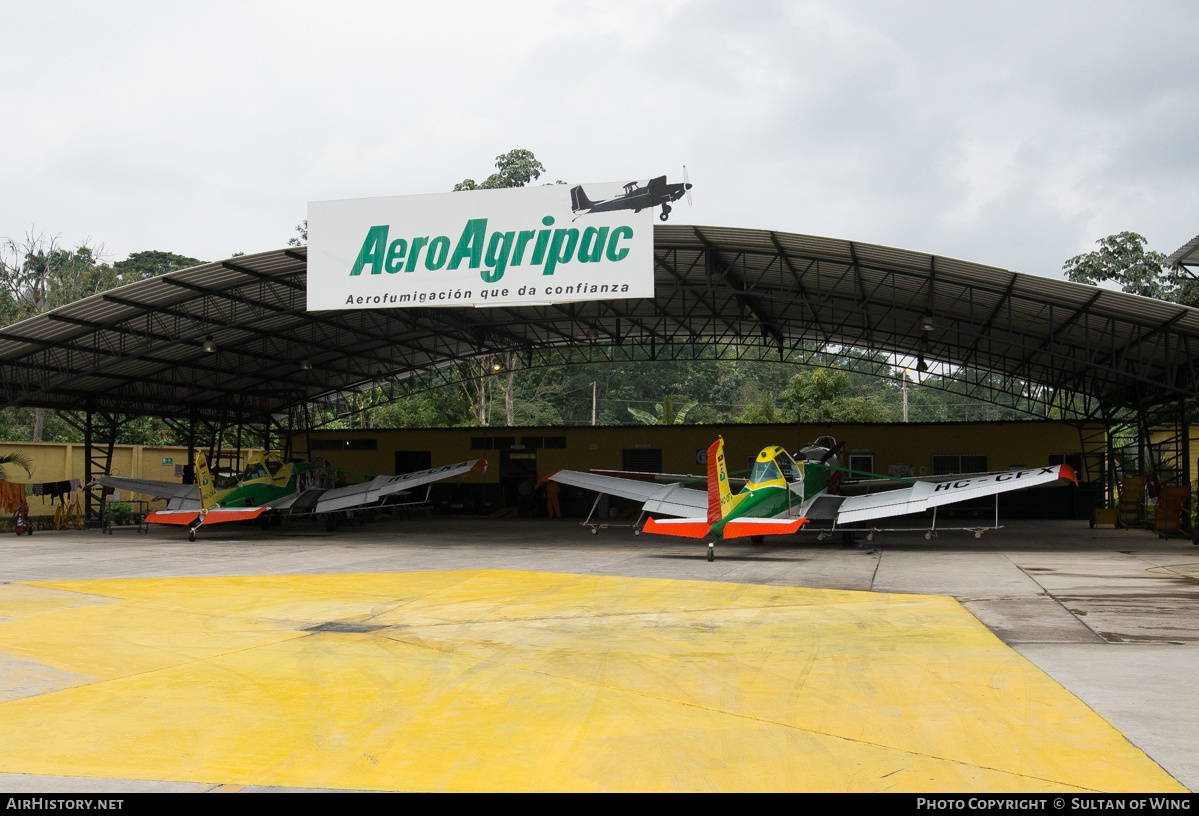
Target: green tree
<point>151,263</point>
<point>18,459</point>
<point>302,229</point>
<point>823,395</point>
<point>1123,259</point>
<point>664,413</point>
<point>516,168</point>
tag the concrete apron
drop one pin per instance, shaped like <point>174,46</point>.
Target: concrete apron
<point>522,680</point>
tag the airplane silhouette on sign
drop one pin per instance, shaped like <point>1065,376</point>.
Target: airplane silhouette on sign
<point>635,197</point>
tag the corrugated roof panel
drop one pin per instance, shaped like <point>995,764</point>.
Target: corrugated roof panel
<point>245,305</point>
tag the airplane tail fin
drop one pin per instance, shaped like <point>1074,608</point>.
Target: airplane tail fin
<point>721,500</point>
<point>579,199</point>
<point>205,482</point>
<point>718,481</point>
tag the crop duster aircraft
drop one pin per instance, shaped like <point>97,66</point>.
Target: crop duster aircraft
<point>781,495</point>
<point>635,197</point>
<point>268,485</point>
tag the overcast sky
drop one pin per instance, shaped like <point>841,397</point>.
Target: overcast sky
<point>1014,134</point>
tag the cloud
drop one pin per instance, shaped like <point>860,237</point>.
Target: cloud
<point>1014,134</point>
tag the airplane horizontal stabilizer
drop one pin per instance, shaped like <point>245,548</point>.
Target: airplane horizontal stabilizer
<point>684,527</point>
<point>221,514</point>
<point>184,518</point>
<point>741,528</point>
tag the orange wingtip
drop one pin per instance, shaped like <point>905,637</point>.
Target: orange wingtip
<point>163,517</point>
<point>683,529</point>
<point>1067,472</point>
<point>480,465</point>
<point>742,529</point>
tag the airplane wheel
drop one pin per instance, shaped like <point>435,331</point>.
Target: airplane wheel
<point>711,552</point>
<point>191,535</point>
<point>664,216</point>
<point>594,531</point>
<point>978,535</point>
<point>928,536</point>
<point>870,536</point>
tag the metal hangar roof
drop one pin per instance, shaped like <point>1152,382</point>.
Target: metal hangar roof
<point>141,348</point>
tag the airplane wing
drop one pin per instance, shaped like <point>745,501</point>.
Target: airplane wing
<point>671,499</point>
<point>360,495</point>
<point>924,495</point>
<point>735,482</point>
<point>148,487</point>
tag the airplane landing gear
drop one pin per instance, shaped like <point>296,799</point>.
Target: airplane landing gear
<point>711,551</point>
<point>665,212</point>
<point>191,535</point>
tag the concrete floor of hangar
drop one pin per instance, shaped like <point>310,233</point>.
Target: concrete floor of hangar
<point>1108,614</point>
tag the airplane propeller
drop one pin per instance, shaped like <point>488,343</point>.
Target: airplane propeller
<point>835,450</point>
<point>687,186</point>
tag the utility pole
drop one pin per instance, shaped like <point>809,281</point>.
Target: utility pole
<point>905,394</point>
<point>593,403</point>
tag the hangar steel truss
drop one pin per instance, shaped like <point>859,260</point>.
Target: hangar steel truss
<point>232,341</point>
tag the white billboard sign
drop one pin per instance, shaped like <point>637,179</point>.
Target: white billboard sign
<point>509,247</point>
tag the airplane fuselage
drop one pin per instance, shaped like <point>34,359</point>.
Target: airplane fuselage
<point>781,489</point>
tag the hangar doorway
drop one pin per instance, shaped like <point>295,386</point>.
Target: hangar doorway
<point>408,461</point>
<point>515,467</point>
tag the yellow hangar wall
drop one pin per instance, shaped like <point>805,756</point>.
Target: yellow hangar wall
<point>1006,444</point>
<point>58,461</point>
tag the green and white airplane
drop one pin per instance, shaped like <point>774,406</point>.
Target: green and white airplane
<point>269,487</point>
<point>781,495</point>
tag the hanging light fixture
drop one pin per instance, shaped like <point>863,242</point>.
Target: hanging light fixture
<point>926,323</point>
<point>306,365</point>
<point>209,346</point>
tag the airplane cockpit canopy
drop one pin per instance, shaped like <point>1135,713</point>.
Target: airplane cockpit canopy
<point>791,471</point>
<point>763,472</point>
<point>254,470</point>
<point>774,465</point>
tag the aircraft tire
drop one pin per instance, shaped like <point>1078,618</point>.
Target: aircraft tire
<point>664,216</point>
<point>191,535</point>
